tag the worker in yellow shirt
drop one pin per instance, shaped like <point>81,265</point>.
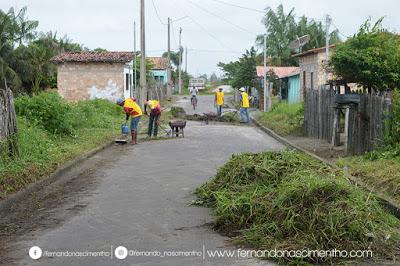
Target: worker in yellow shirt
<point>244,106</point>
<point>155,113</point>
<point>133,111</point>
<point>219,101</point>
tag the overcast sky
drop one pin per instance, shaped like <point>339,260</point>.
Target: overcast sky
<point>213,31</point>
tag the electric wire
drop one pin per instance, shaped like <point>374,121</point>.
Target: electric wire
<point>206,31</point>
<point>158,15</point>
<point>242,7</point>
<point>221,18</point>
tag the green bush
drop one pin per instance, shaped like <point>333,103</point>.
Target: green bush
<point>393,134</point>
<point>48,110</point>
<point>284,118</point>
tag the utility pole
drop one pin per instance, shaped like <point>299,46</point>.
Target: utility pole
<point>169,82</point>
<point>180,61</point>
<point>134,63</point>
<point>143,82</point>
<point>186,60</point>
<point>327,39</point>
<point>265,73</point>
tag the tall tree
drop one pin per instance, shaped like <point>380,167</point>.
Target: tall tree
<point>242,73</point>
<point>371,58</point>
<point>14,29</point>
<point>282,28</point>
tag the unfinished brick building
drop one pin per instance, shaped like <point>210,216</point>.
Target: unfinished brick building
<point>91,75</point>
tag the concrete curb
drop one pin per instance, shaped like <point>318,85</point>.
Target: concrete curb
<point>53,177</point>
<point>388,204</point>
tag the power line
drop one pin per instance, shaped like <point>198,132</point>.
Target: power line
<point>158,15</point>
<point>214,51</point>
<point>206,31</point>
<point>339,31</point>
<point>221,18</point>
<point>173,35</point>
<point>211,35</point>
<point>242,7</point>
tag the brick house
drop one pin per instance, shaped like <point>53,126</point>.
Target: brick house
<point>312,68</point>
<point>91,75</point>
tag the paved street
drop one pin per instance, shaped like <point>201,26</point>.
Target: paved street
<point>205,104</point>
<point>141,199</point>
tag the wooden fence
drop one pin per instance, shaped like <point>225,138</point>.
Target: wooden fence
<point>319,113</point>
<point>157,92</point>
<point>363,125</point>
<point>8,123</point>
<point>366,124</point>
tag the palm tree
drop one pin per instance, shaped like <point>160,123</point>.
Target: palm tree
<point>280,28</point>
<point>13,29</point>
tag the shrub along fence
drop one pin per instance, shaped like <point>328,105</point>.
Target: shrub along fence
<point>364,118</point>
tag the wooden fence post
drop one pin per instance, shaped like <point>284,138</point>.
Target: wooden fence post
<point>8,121</point>
<point>336,128</point>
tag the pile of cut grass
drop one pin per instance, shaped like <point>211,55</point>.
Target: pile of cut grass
<point>287,200</point>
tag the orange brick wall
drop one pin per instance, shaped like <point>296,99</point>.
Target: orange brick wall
<point>82,81</point>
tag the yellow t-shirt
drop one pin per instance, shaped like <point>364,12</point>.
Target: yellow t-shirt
<point>220,98</point>
<point>245,100</point>
<point>132,108</point>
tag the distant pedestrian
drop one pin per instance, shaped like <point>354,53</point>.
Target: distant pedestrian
<point>155,113</point>
<point>133,111</point>
<point>244,106</point>
<point>219,101</point>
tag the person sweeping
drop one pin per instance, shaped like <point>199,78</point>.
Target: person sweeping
<point>244,106</point>
<point>155,113</point>
<point>219,101</point>
<point>133,111</point>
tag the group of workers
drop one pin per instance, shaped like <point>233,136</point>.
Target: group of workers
<point>219,102</point>
<point>133,111</point>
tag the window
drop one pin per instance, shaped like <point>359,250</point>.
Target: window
<point>304,80</point>
<point>126,81</point>
<point>312,80</point>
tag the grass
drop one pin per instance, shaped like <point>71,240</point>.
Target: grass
<point>382,174</point>
<point>285,119</point>
<point>287,200</point>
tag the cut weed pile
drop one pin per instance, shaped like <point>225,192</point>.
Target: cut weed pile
<point>289,201</point>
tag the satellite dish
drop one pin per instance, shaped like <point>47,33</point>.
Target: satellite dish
<point>297,44</point>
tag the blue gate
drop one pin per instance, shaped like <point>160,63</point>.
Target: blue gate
<point>294,89</point>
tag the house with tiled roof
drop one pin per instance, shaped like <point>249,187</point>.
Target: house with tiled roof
<point>159,70</point>
<point>92,75</point>
<point>289,85</point>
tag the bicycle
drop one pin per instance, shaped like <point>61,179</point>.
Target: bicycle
<point>194,102</point>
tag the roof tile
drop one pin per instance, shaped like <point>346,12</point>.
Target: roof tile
<point>88,57</point>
